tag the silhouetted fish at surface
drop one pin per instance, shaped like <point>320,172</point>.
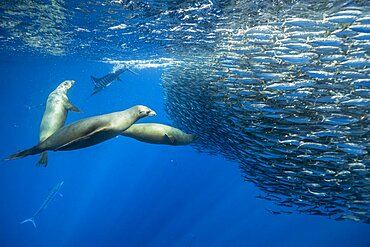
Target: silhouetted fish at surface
<point>105,81</point>
<point>45,204</point>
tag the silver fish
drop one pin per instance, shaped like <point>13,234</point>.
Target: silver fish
<point>364,20</point>
<point>357,63</point>
<point>300,22</point>
<point>327,41</point>
<point>361,28</point>
<point>342,19</point>
<point>295,58</point>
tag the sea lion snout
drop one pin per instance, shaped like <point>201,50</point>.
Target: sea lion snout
<point>151,113</point>
<point>145,111</point>
<point>66,85</point>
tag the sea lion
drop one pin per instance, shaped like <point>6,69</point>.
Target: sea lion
<point>55,115</point>
<point>89,131</point>
<point>158,134</point>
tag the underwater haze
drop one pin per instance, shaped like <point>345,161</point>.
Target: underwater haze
<point>277,93</point>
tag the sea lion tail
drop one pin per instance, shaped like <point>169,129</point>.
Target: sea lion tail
<point>24,153</point>
<point>43,160</point>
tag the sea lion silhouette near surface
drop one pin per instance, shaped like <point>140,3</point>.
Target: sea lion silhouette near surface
<point>158,134</point>
<point>55,115</point>
<point>89,131</point>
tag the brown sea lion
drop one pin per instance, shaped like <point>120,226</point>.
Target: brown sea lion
<point>158,134</point>
<point>55,115</point>
<point>89,131</point>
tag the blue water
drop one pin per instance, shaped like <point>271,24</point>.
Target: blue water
<point>126,193</point>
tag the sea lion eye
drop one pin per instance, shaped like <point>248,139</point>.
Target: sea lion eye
<point>150,113</point>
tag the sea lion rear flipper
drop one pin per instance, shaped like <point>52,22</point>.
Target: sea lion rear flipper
<point>170,138</point>
<point>80,139</point>
<point>71,107</point>
<point>43,160</point>
<point>24,153</point>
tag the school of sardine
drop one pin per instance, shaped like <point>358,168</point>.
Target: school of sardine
<point>289,101</point>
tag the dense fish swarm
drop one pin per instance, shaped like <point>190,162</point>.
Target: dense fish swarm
<point>290,101</point>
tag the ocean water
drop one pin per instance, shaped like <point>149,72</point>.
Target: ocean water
<point>123,192</point>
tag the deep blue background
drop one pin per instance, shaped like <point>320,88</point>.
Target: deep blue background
<point>126,193</point>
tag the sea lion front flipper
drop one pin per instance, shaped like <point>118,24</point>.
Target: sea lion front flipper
<point>79,139</point>
<point>71,107</point>
<point>170,138</point>
<point>43,160</point>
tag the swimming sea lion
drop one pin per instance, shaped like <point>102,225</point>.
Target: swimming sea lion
<point>158,134</point>
<point>89,131</point>
<point>55,115</point>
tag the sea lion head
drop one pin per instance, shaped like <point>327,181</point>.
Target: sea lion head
<point>193,137</point>
<point>145,111</point>
<point>66,85</point>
